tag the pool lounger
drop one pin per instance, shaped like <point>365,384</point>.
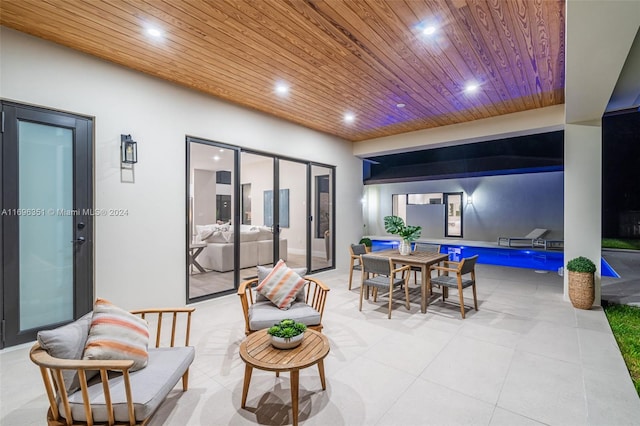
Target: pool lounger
<point>548,244</point>
<point>528,240</point>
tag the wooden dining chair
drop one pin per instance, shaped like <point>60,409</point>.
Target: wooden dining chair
<point>379,274</point>
<point>356,251</point>
<point>456,277</point>
<point>423,247</point>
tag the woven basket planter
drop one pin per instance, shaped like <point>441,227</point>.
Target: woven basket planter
<point>581,289</point>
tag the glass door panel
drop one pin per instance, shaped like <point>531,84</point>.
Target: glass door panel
<point>46,228</point>
<point>322,246</point>
<point>453,225</point>
<point>211,253</point>
<point>46,273</point>
<point>257,232</point>
<point>293,215</point>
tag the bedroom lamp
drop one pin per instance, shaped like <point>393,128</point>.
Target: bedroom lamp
<point>128,150</point>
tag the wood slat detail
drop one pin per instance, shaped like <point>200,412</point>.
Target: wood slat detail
<point>362,56</point>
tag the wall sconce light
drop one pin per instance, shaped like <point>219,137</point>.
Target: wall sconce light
<point>128,150</point>
<point>469,200</point>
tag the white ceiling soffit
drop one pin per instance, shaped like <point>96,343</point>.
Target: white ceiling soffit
<point>598,41</point>
<point>627,91</point>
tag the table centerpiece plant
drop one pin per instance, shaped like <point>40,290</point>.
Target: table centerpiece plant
<point>395,225</point>
<point>287,334</point>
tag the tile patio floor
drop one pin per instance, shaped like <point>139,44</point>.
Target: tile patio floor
<point>525,358</point>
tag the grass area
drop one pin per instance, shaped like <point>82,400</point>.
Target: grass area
<point>621,243</point>
<point>625,324</point>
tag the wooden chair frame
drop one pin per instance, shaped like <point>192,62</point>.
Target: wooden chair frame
<point>457,270</point>
<point>355,261</point>
<point>316,297</point>
<point>51,370</point>
<point>405,272</point>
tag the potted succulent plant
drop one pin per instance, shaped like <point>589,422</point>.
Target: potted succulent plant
<point>367,243</point>
<point>581,282</point>
<point>287,334</point>
<point>395,225</point>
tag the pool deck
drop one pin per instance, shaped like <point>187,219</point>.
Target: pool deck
<point>526,357</point>
<point>624,290</point>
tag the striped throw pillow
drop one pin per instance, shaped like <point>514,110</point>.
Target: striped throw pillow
<point>117,334</point>
<point>281,285</point>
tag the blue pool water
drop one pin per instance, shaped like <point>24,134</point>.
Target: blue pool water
<point>528,259</point>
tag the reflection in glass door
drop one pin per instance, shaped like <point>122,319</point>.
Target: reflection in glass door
<point>210,207</point>
<point>322,212</point>
<point>256,237</point>
<point>293,215</point>
<point>247,209</point>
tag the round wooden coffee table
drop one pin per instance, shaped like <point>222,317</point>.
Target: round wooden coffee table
<point>256,351</point>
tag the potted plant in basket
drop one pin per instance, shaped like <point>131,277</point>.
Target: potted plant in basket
<point>287,334</point>
<point>581,282</point>
<point>395,225</point>
<point>367,243</point>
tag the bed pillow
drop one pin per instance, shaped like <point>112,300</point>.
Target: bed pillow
<point>67,342</point>
<point>117,334</point>
<point>281,285</point>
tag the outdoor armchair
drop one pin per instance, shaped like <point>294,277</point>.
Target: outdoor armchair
<point>378,273</point>
<point>109,391</point>
<point>458,275</point>
<point>259,312</point>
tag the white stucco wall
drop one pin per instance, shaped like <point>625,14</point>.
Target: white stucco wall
<point>509,205</point>
<point>140,258</point>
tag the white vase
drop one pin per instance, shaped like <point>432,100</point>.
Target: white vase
<point>405,247</point>
<point>286,343</point>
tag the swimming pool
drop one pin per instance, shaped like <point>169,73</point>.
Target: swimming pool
<point>528,259</point>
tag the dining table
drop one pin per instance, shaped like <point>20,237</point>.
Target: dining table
<point>421,259</point>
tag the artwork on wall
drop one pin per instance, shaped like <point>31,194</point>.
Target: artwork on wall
<point>283,208</point>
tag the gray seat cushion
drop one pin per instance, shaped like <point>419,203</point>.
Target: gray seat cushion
<point>265,314</point>
<point>382,282</point>
<point>450,281</point>
<point>149,386</point>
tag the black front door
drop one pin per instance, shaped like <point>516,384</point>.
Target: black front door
<point>47,220</point>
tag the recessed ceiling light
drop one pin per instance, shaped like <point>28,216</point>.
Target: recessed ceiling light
<point>216,158</point>
<point>349,117</point>
<point>429,30</point>
<point>400,105</point>
<point>154,32</point>
<point>221,150</point>
<point>282,89</point>
<point>471,87</point>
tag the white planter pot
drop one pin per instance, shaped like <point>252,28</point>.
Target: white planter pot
<point>282,343</point>
<point>405,248</point>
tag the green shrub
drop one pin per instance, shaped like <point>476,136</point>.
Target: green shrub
<point>287,328</point>
<point>366,241</point>
<point>581,264</point>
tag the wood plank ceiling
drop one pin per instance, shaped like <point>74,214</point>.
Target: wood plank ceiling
<point>362,57</point>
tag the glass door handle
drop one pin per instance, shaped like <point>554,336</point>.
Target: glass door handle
<point>79,240</point>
